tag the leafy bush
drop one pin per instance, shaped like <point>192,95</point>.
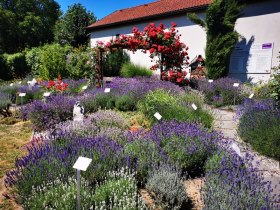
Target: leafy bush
<point>34,60</point>
<point>80,63</point>
<point>113,62</point>
<point>259,125</point>
<point>170,108</point>
<point>133,70</point>
<point>221,92</point>
<point>14,66</point>
<point>53,59</point>
<point>166,183</point>
<point>232,182</point>
<point>45,115</point>
<point>126,103</point>
<point>97,101</point>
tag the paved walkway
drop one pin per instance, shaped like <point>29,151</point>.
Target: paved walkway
<point>226,123</point>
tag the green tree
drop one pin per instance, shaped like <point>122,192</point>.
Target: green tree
<point>26,23</point>
<point>71,28</point>
<point>221,16</point>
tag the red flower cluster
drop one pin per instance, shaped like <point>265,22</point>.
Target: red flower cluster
<point>177,77</point>
<point>57,86</point>
<point>157,40</point>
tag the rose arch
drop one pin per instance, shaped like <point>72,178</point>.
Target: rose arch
<point>161,42</point>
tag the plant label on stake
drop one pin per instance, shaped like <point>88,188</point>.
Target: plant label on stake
<point>251,96</point>
<point>21,95</point>
<point>107,90</point>
<point>235,84</point>
<point>19,82</point>
<point>84,87</point>
<point>210,80</point>
<point>47,94</point>
<point>236,149</point>
<point>81,164</point>
<point>157,115</point>
<point>11,84</point>
<point>194,106</point>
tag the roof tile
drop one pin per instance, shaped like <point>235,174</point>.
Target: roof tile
<point>159,7</point>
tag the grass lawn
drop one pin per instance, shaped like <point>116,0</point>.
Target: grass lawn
<point>12,137</point>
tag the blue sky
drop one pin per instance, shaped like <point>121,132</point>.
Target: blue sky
<point>102,8</point>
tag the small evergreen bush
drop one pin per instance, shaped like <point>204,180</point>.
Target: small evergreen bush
<point>133,70</point>
<point>126,103</point>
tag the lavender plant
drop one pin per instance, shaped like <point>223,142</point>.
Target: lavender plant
<point>232,182</point>
<point>53,158</point>
<point>59,195</point>
<point>221,92</point>
<point>187,145</point>
<point>45,115</point>
<point>259,125</point>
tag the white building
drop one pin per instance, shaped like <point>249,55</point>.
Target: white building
<point>253,57</point>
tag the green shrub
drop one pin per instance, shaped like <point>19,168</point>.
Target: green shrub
<point>113,62</point>
<point>144,154</point>
<point>168,187</point>
<point>14,65</point>
<point>80,63</point>
<point>98,101</point>
<point>126,103</point>
<point>5,103</point>
<point>261,130</point>
<point>54,61</point>
<point>133,70</point>
<point>34,60</point>
<point>170,108</point>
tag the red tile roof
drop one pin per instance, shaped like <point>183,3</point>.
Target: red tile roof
<point>146,11</point>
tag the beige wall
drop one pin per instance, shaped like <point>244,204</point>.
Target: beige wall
<point>261,20</point>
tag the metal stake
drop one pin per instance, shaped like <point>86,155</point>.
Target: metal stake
<point>78,189</point>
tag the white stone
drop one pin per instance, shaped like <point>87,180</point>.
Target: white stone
<point>11,84</point>
<point>236,149</point>
<point>82,163</point>
<point>78,112</point>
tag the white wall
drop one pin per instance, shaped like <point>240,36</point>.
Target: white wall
<point>261,20</point>
<point>261,23</point>
<point>192,35</point>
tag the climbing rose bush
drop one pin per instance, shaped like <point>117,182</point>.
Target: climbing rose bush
<point>158,41</point>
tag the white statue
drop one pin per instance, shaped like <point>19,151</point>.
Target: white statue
<point>78,112</point>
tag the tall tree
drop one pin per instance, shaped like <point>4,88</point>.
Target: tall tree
<point>71,28</point>
<point>26,23</point>
<point>221,16</point>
